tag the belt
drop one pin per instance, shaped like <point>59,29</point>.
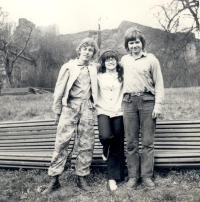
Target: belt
<point>137,94</point>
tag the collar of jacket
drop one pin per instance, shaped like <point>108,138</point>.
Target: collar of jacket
<point>80,64</point>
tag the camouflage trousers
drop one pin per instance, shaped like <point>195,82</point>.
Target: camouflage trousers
<point>80,120</point>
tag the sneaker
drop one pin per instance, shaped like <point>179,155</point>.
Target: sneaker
<point>103,157</point>
<point>105,152</point>
<point>132,183</point>
<point>148,182</point>
<point>112,185</point>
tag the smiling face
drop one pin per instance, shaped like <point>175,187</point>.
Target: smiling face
<point>86,53</point>
<point>135,47</point>
<point>134,41</point>
<point>110,63</point>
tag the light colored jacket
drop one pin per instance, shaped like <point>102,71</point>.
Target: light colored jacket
<point>67,76</point>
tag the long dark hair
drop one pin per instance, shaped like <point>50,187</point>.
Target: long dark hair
<point>111,54</point>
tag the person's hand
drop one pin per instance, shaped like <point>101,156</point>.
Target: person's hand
<point>156,113</point>
<point>57,118</point>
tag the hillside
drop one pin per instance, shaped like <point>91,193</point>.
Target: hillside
<point>178,54</point>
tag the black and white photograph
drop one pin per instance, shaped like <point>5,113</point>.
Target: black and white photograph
<point>99,101</point>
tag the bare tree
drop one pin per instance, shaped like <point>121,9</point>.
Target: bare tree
<point>9,42</point>
<point>171,15</point>
<point>179,19</point>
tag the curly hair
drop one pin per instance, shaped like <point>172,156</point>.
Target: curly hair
<point>111,54</point>
<point>87,42</point>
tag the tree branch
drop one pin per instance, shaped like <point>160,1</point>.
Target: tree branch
<point>11,41</point>
<point>193,13</point>
<point>20,52</point>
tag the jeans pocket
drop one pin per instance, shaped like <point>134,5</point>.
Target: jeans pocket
<point>148,98</point>
<point>127,98</point>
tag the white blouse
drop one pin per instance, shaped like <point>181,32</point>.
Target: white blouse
<point>110,94</point>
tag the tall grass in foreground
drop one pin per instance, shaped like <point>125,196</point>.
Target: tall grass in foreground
<point>179,104</point>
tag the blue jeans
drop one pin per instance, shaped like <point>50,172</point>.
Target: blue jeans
<point>138,119</point>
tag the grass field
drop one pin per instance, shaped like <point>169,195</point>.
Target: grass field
<point>172,185</point>
<point>179,104</point>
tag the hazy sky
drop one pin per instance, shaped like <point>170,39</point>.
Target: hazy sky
<point>79,15</point>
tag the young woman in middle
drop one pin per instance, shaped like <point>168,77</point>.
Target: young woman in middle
<point>109,113</point>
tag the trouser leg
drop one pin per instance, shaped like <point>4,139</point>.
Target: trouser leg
<point>116,158</point>
<point>105,132</point>
<point>111,134</point>
<point>65,130</point>
<point>148,126</point>
<point>132,126</point>
<point>85,141</point>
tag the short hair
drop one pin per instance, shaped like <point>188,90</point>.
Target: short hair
<point>111,54</point>
<point>131,35</point>
<point>87,42</point>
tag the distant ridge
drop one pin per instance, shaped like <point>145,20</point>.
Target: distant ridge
<point>178,53</point>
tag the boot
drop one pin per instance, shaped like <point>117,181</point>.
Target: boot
<point>53,185</point>
<point>132,183</point>
<point>82,183</point>
<point>148,182</point>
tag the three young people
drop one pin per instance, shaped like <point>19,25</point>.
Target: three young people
<point>79,89</point>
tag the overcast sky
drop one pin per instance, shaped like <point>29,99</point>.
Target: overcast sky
<point>80,15</point>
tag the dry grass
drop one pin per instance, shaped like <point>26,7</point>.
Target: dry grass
<point>179,104</point>
<point>182,104</point>
<point>26,107</point>
<point>172,185</point>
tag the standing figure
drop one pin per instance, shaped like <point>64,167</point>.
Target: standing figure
<point>74,100</point>
<point>142,102</point>
<point>110,119</point>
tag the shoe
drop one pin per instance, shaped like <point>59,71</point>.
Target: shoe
<point>132,183</point>
<point>148,182</point>
<point>82,183</point>
<point>53,185</point>
<point>103,157</point>
<point>112,185</point>
<point>105,153</point>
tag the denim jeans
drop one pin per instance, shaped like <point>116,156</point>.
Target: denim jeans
<point>111,135</point>
<point>138,119</point>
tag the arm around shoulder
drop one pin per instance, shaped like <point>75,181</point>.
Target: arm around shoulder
<point>97,65</point>
<point>121,61</point>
